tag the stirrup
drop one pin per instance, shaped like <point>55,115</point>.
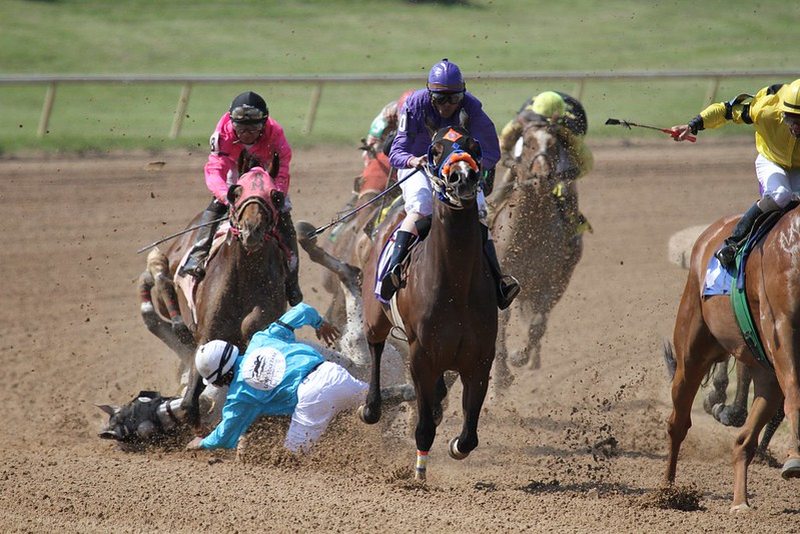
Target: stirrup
<point>727,256</point>
<point>508,289</point>
<point>197,271</point>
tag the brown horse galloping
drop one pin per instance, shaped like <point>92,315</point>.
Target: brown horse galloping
<point>706,332</point>
<point>242,292</point>
<point>535,236</point>
<point>448,307</point>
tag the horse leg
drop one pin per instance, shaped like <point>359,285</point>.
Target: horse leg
<point>475,387</point>
<point>767,399</point>
<point>176,337</point>
<point>502,376</point>
<point>695,350</point>
<point>536,332</point>
<point>191,400</point>
<point>425,432</point>
<point>762,452</point>
<point>719,386</point>
<point>370,411</point>
<point>736,413</point>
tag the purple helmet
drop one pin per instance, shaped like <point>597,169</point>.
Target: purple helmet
<point>445,77</point>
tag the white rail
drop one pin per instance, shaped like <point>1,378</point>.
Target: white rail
<point>318,81</point>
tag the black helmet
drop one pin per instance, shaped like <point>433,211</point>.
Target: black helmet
<point>249,108</point>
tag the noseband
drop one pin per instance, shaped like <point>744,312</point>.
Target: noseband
<point>237,211</point>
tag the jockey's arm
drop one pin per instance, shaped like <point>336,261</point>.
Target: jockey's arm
<point>216,172</point>
<point>236,419</point>
<point>301,315</point>
<point>285,155</point>
<point>509,135</point>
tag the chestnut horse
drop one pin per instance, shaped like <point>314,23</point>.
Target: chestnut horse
<point>706,332</point>
<point>350,240</point>
<point>243,289</point>
<point>536,240</point>
<point>448,307</point>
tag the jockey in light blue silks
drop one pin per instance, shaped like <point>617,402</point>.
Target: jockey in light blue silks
<point>444,102</point>
<point>278,375</point>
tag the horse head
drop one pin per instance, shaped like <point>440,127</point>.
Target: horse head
<point>143,419</point>
<point>454,161</point>
<point>253,212</point>
<point>539,159</point>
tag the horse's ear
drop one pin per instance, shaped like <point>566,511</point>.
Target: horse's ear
<point>436,151</point>
<point>234,192</point>
<point>108,409</point>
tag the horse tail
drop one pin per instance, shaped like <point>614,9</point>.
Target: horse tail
<point>669,359</point>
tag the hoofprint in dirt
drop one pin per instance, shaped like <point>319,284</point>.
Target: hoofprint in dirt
<point>578,445</point>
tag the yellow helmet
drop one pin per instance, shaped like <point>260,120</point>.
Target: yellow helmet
<point>548,104</point>
<point>790,101</point>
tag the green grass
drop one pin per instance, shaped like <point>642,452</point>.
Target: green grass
<point>377,36</point>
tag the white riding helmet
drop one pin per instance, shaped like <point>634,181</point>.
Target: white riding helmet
<point>214,359</point>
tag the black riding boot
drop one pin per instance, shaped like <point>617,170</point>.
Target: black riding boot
<point>286,228</point>
<point>727,254</point>
<point>196,262</point>
<point>507,286</point>
<point>390,282</point>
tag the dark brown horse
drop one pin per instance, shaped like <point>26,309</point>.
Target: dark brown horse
<point>706,332</point>
<point>242,292</point>
<point>449,311</point>
<point>534,231</point>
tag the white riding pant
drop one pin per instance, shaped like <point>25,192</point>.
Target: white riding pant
<point>328,390</point>
<point>418,194</point>
<point>776,182</point>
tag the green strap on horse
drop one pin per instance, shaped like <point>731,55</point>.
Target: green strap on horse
<point>741,308</point>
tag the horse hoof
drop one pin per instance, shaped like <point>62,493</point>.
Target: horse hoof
<point>791,469</point>
<point>454,452</point>
<point>366,416</point>
<point>744,507</point>
<point>518,359</point>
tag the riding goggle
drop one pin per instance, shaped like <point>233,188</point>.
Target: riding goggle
<point>247,115</point>
<point>248,128</point>
<point>447,98</point>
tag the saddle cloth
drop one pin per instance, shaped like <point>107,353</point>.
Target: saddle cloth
<point>188,284</point>
<point>718,279</point>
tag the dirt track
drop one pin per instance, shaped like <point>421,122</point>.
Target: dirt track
<point>71,337</point>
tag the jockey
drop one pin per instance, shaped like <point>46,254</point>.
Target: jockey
<point>246,136</point>
<point>277,375</point>
<point>775,114</point>
<point>384,128</point>
<point>569,117</point>
<point>444,102</point>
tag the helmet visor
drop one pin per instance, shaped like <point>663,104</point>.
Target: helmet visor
<point>247,115</point>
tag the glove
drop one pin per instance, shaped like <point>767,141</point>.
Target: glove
<point>487,181</point>
<point>278,198</point>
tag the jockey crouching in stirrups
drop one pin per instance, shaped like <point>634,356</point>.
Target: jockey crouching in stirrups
<point>245,137</point>
<point>445,102</point>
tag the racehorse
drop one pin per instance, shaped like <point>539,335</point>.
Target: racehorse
<point>243,289</point>
<point>534,232</point>
<point>448,305</point>
<point>706,331</point>
<point>350,240</point>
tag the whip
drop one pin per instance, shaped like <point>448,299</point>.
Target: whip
<point>176,234</point>
<point>627,124</point>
